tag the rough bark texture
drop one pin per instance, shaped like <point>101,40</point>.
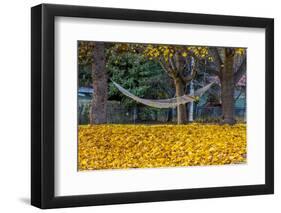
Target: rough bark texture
<point>99,76</point>
<point>191,104</point>
<point>227,87</point>
<point>181,109</point>
<point>223,60</point>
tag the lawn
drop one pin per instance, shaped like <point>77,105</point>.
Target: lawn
<point>149,146</point>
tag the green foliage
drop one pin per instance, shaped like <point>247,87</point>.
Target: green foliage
<point>141,77</point>
<point>85,75</point>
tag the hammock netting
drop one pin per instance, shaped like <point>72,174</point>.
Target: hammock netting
<point>165,103</point>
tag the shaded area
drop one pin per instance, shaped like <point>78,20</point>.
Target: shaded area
<point>152,72</point>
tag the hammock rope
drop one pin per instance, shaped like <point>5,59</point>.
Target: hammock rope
<point>164,103</point>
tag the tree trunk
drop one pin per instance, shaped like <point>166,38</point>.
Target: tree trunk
<point>227,87</point>
<point>99,76</point>
<point>181,109</point>
<point>191,104</point>
<point>136,113</point>
<point>170,115</point>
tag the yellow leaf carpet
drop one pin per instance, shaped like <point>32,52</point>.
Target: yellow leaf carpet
<point>148,146</point>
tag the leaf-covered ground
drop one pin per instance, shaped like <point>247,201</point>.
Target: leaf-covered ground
<point>147,146</point>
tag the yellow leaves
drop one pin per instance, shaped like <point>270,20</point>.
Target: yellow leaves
<point>197,51</point>
<point>84,162</point>
<point>210,59</point>
<point>184,54</point>
<point>167,52</point>
<point>240,51</point>
<point>150,146</point>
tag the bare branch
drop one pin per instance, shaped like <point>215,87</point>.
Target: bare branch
<point>191,76</point>
<point>177,60</point>
<point>213,71</point>
<point>166,68</point>
<point>216,57</point>
<point>172,63</point>
<point>240,71</point>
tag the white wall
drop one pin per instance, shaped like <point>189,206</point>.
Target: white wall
<point>15,105</point>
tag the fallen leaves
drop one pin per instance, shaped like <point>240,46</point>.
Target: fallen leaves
<point>149,146</point>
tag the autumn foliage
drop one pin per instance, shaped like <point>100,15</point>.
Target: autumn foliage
<point>149,146</point>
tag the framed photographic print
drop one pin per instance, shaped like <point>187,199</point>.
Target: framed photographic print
<point>139,106</point>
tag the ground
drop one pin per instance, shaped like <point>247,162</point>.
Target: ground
<point>149,146</point>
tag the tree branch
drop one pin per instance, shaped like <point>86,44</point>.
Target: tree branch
<point>172,63</point>
<point>213,71</point>
<point>240,71</point>
<point>191,76</point>
<point>166,68</point>
<point>216,56</point>
<point>177,60</point>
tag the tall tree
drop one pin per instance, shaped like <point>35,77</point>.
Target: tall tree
<point>227,86</point>
<point>100,86</point>
<point>176,61</point>
<point>225,68</point>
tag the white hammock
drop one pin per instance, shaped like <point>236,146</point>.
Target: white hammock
<point>164,103</point>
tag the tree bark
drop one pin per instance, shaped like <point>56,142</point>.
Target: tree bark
<point>99,76</point>
<point>181,109</point>
<point>191,104</point>
<point>170,115</point>
<point>227,87</point>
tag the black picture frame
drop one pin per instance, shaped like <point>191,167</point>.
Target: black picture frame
<point>43,110</point>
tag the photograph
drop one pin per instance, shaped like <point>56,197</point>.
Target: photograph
<point>149,105</point>
<point>135,105</point>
